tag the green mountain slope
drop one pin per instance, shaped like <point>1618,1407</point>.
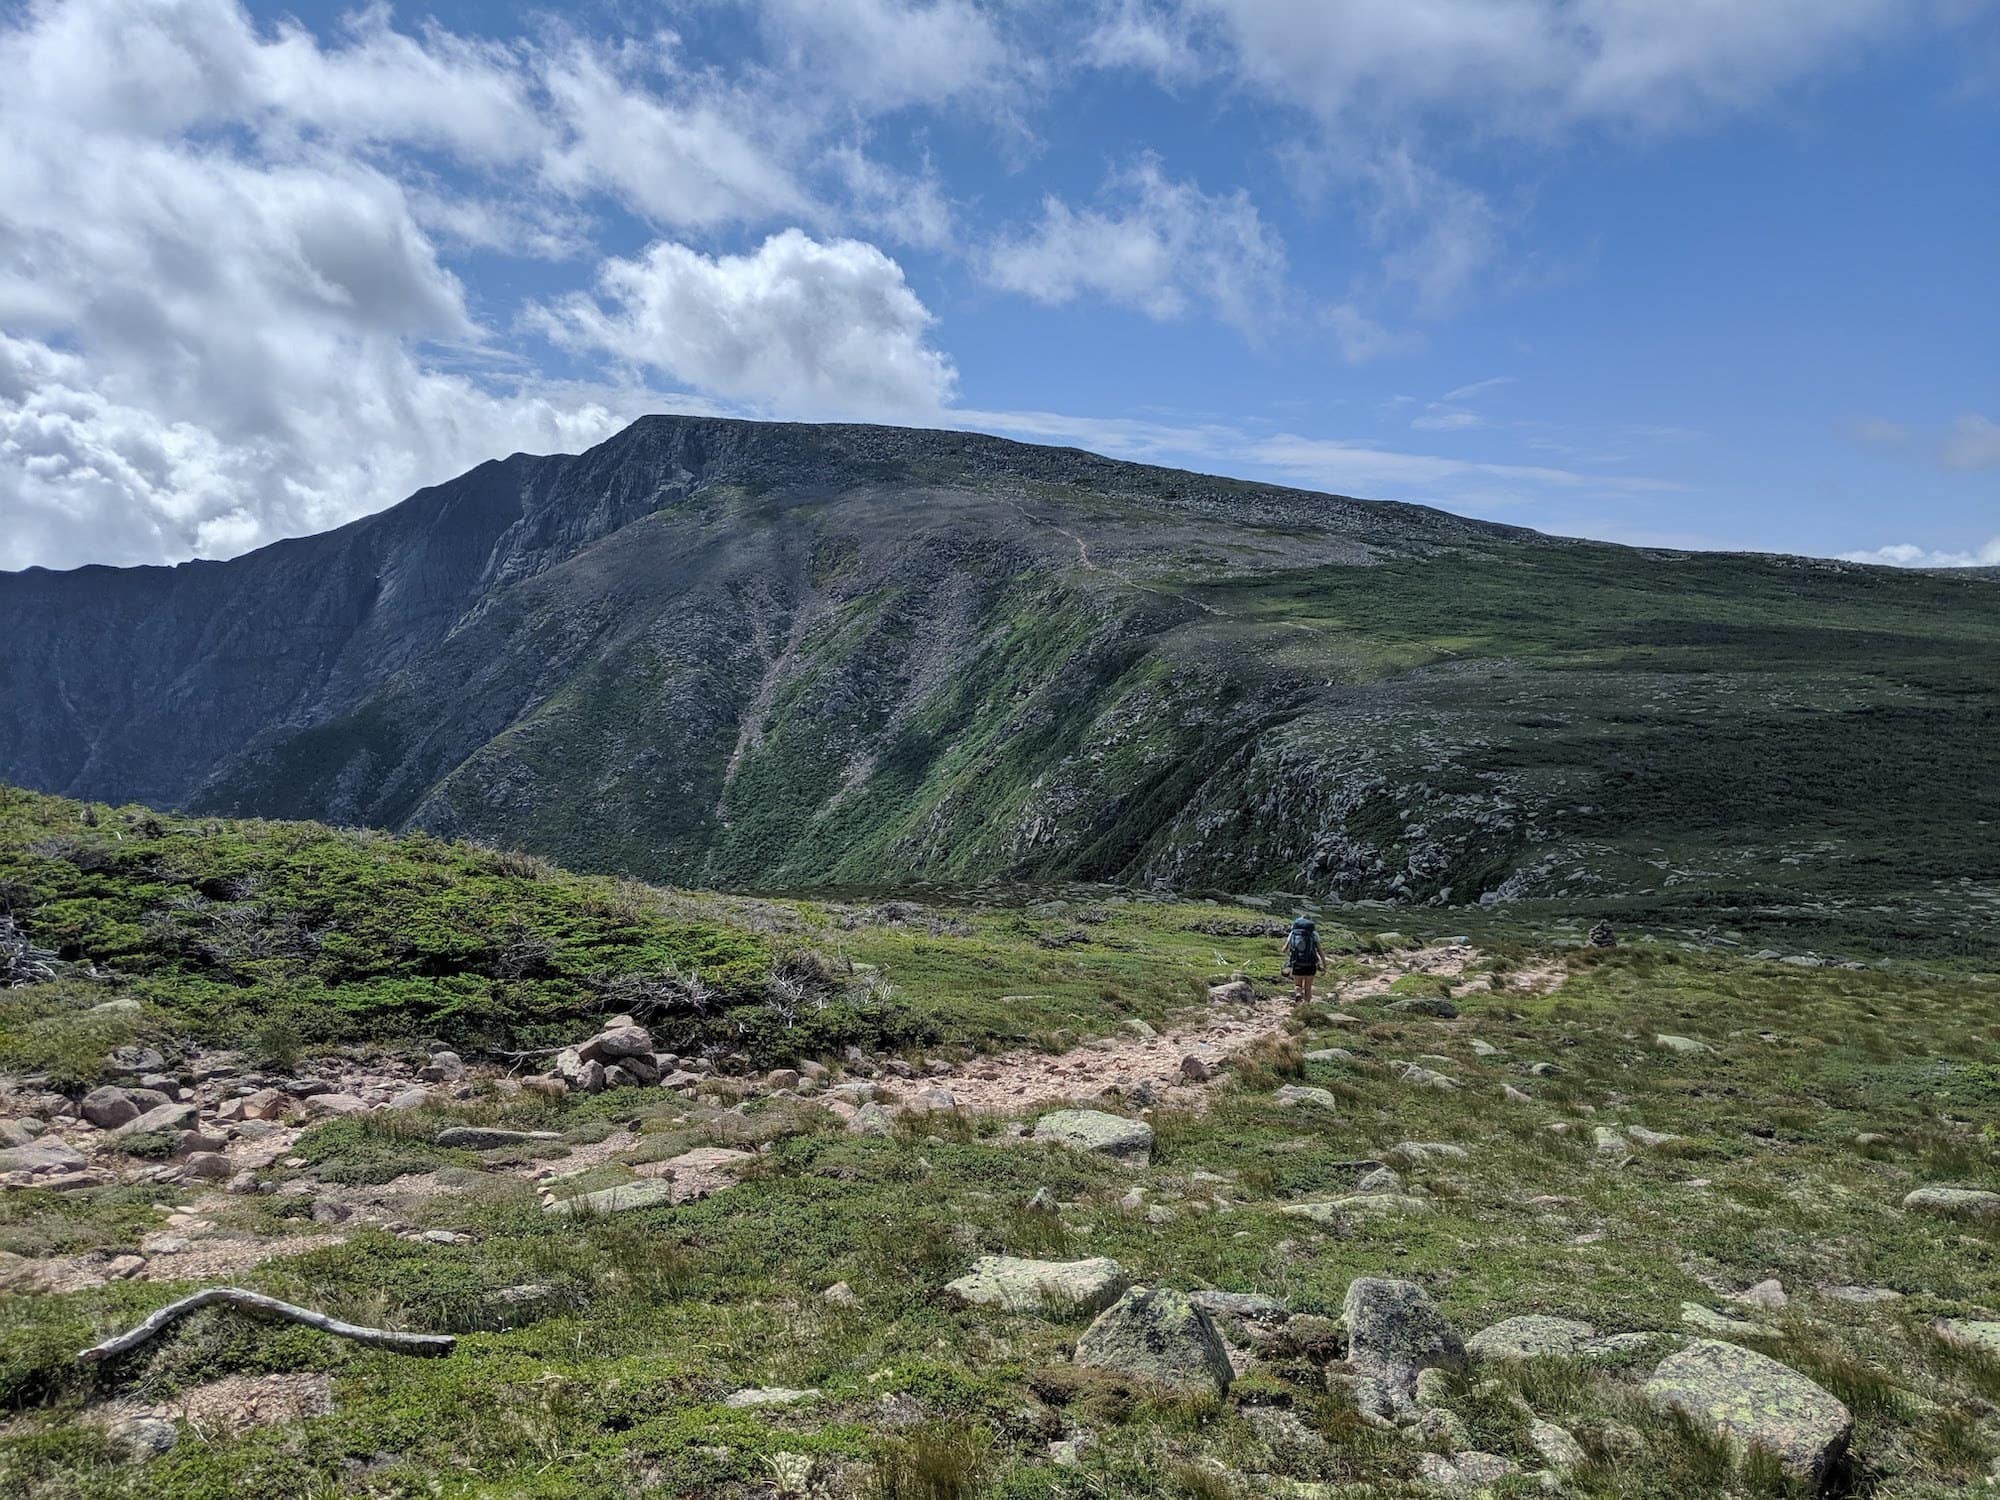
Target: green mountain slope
<point>758,656</point>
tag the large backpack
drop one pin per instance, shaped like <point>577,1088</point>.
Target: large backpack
<point>1302,947</point>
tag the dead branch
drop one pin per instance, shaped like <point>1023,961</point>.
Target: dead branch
<point>267,1307</point>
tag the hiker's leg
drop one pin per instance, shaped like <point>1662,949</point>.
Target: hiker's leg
<point>1305,989</point>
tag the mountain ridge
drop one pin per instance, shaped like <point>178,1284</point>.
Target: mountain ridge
<point>777,655</point>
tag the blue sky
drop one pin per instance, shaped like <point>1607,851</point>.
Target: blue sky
<point>1709,273</point>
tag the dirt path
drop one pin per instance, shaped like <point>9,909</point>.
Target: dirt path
<point>1020,1079</point>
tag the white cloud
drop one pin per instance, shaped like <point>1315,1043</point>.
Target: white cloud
<point>908,208</point>
<point>229,314</point>
<point>800,326</point>
<point>1478,388</point>
<point>1136,36</point>
<point>1535,66</point>
<point>1153,244</point>
<point>884,55</point>
<point>1972,443</point>
<point>1910,555</point>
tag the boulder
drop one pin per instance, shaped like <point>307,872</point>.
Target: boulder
<point>1972,1205</point>
<point>134,1060</point>
<point>328,1106</point>
<point>1394,1332</point>
<point>871,1119</point>
<point>1531,1336</point>
<point>1158,1335</point>
<point>207,1166</point>
<point>1559,1450</point>
<point>108,1108</point>
<point>1232,992</point>
<point>1752,1401</point>
<point>444,1067</point>
<point>174,1117</point>
<point>20,1132</point>
<point>1093,1130</point>
<point>41,1156</point>
<point>1017,1285</point>
<point>615,1043</point>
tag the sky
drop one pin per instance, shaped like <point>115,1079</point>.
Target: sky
<point>1695,273</point>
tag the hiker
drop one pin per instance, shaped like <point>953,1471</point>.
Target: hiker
<point>1302,957</point>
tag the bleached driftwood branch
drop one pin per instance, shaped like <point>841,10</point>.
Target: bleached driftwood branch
<point>267,1307</point>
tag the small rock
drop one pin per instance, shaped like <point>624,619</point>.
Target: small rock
<point>782,1078</point>
<point>871,1119</point>
<point>489,1138</point>
<point>332,1105</point>
<point>1425,1005</point>
<point>1707,1320</point>
<point>1232,992</point>
<point>1463,1474</point>
<point>1558,1449</point>
<point>1769,1295</point>
<point>615,1043</point>
<point>626,1195</point>
<point>138,1440</point>
<point>840,1294</point>
<point>1194,1069</point>
<point>766,1395</point>
<point>444,1067</point>
<point>1686,1046</point>
<point>207,1166</point>
<point>1381,1180</point>
<point>1969,1204</point>
<point>1422,1151</point>
<point>1424,1078</point>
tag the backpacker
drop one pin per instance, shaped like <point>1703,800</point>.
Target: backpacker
<point>1302,947</point>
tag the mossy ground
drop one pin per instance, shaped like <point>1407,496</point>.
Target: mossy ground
<point>611,1384</point>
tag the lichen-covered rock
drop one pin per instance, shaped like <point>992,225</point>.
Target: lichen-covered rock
<point>1983,1338</point>
<point>1293,1093</point>
<point>1463,1474</point>
<point>1558,1448</point>
<point>1238,1314</point>
<point>1753,1401</point>
<point>1159,1335</point>
<point>626,1195</point>
<point>1531,1336</point>
<point>1970,1204</point>
<point>1019,1285</point>
<point>1394,1331</point>
<point>491,1138</point>
<point>1094,1130</point>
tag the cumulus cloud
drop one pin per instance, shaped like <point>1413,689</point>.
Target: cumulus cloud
<point>885,55</point>
<point>798,325</point>
<point>1153,244</point>
<point>225,281</point>
<point>1910,555</point>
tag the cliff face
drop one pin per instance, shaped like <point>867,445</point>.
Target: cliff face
<point>770,655</point>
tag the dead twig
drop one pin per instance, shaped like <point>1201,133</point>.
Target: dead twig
<point>267,1307</point>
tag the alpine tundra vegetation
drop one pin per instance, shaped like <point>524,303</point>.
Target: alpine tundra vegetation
<point>747,963</point>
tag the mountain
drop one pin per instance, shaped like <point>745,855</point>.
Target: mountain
<point>774,655</point>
